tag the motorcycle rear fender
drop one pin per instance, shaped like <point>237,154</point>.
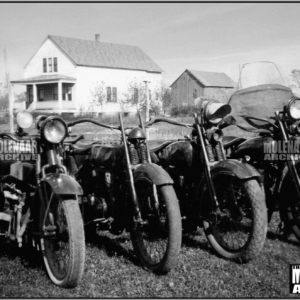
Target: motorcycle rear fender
<point>63,184</point>
<point>240,169</point>
<point>153,172</point>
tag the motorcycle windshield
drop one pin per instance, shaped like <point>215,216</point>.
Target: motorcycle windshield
<point>261,91</point>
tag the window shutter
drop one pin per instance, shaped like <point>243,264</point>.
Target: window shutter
<point>108,94</point>
<point>114,94</point>
<point>45,65</point>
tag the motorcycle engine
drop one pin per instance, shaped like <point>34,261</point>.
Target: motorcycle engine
<point>8,196</point>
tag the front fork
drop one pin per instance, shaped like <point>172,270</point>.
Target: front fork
<point>129,166</point>
<point>207,172</point>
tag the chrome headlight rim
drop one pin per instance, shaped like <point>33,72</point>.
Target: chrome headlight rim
<point>20,119</point>
<point>289,108</point>
<point>46,122</point>
<point>206,112</point>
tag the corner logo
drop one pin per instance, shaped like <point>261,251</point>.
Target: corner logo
<point>294,279</point>
<point>21,150</point>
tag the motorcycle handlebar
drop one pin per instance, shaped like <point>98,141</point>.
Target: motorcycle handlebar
<point>70,124</point>
<point>156,120</point>
<point>16,138</point>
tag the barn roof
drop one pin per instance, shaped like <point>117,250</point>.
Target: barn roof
<point>102,54</point>
<point>210,79</point>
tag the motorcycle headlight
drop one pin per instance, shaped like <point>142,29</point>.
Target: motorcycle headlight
<point>54,130</point>
<point>215,134</point>
<point>293,108</point>
<point>39,120</point>
<point>24,119</point>
<point>295,128</point>
<point>214,111</point>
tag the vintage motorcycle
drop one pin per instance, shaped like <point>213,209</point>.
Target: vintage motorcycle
<point>39,201</point>
<point>222,195</point>
<point>264,105</point>
<point>124,190</point>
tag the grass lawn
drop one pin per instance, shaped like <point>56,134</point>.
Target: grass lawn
<point>112,270</point>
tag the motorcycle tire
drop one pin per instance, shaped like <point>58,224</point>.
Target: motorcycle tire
<point>63,246</point>
<point>157,242</point>
<point>237,230</point>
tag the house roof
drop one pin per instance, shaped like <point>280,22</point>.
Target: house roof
<point>42,78</point>
<point>102,54</point>
<point>210,79</point>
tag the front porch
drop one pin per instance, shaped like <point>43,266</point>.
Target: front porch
<point>48,93</point>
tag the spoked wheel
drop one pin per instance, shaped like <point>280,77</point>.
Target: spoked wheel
<point>63,242</point>
<point>157,240</point>
<point>237,229</point>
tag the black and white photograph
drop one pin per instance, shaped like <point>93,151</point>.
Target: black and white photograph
<point>149,150</point>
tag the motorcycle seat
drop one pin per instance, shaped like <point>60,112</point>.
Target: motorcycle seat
<point>156,145</point>
<point>229,141</point>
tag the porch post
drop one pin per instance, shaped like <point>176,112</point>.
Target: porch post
<point>59,96</point>
<point>34,97</point>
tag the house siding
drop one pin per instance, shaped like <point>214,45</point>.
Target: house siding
<point>89,77</point>
<point>186,89</point>
<point>86,80</point>
<point>183,90</point>
<point>48,49</point>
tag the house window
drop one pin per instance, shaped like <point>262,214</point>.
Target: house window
<point>55,92</point>
<point>135,94</point>
<point>29,94</point>
<point>45,65</point>
<point>108,94</point>
<point>55,64</point>
<point>50,65</point>
<point>67,92</point>
<point>114,90</point>
<point>41,95</point>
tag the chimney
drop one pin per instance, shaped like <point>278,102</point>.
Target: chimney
<point>97,38</point>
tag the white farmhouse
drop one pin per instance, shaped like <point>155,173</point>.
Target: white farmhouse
<point>64,73</point>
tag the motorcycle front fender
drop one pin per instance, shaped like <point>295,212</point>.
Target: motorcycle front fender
<point>154,173</point>
<point>236,168</point>
<point>63,184</point>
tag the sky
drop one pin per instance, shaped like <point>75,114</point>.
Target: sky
<point>216,37</point>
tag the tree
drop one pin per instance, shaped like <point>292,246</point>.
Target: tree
<point>99,94</point>
<point>164,95</point>
<point>4,101</point>
<point>294,82</point>
<point>134,96</point>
